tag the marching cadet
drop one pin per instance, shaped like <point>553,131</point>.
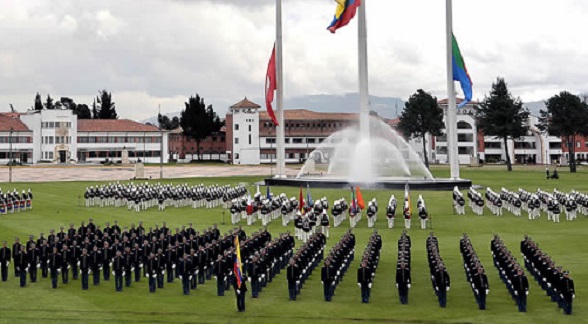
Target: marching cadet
<point>292,276</point>
<point>96,257</point>
<point>151,272</point>
<point>521,289</point>
<point>54,263</point>
<point>372,211</point>
<point>403,282</point>
<point>16,248</point>
<point>44,252</point>
<point>5,257</point>
<point>85,268</point>
<point>129,266</point>
<point>34,261</point>
<point>325,223</point>
<point>423,213</point>
<point>391,211</point>
<point>22,265</point>
<point>219,275</point>
<point>240,292</point>
<point>364,281</point>
<point>185,268</point>
<point>118,269</point>
<point>567,292</point>
<point>481,288</point>
<point>65,263</point>
<point>442,284</point>
<point>160,268</point>
<point>328,274</point>
<point>107,256</point>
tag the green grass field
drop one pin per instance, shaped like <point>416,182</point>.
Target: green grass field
<point>58,203</point>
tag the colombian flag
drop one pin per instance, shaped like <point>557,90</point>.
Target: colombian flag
<point>237,264</point>
<point>345,12</point>
<point>461,74</point>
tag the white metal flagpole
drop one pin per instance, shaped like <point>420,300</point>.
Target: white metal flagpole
<point>451,127</point>
<point>280,130</point>
<point>363,71</point>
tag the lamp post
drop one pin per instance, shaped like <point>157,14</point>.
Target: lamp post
<point>10,156</point>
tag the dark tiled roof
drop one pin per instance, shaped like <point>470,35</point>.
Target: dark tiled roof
<point>245,103</point>
<point>10,121</point>
<point>113,125</point>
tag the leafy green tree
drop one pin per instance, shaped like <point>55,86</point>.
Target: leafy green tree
<point>106,108</point>
<point>38,103</point>
<point>49,103</point>
<point>166,123</point>
<point>422,115</point>
<point>502,116</point>
<point>83,112</point>
<point>566,116</point>
<point>199,121</point>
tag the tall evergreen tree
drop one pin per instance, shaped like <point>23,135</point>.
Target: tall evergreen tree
<point>199,121</point>
<point>49,103</point>
<point>95,110</point>
<point>106,108</point>
<point>566,116</point>
<point>38,102</point>
<point>421,116</point>
<point>502,116</point>
<point>83,112</point>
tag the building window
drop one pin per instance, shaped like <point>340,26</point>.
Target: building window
<point>236,127</point>
<point>236,156</point>
<point>311,140</point>
<point>249,139</point>
<point>236,140</point>
<point>250,128</point>
<point>287,141</point>
<point>578,144</point>
<point>290,155</point>
<point>270,141</point>
<point>297,140</point>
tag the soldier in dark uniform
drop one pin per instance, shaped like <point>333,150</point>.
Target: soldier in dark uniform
<point>54,264</point>
<point>16,248</point>
<point>481,288</point>
<point>442,284</point>
<point>118,268</point>
<point>254,272</point>
<point>65,263</point>
<point>567,292</point>
<point>5,257</point>
<point>185,273</point>
<point>152,271</point>
<point>219,275</point>
<point>107,256</point>
<point>403,282</point>
<point>364,281</point>
<point>129,266</point>
<point>85,268</point>
<point>44,251</point>
<point>292,276</point>
<point>96,257</point>
<point>160,268</point>
<point>240,292</point>
<point>520,286</point>
<point>328,280</point>
<point>34,261</point>
<point>22,265</point>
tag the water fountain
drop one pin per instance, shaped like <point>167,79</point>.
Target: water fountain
<point>377,157</point>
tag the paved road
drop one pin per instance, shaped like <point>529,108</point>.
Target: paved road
<point>101,173</point>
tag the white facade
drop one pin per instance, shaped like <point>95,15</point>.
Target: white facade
<point>467,136</point>
<point>54,135</point>
<point>246,148</point>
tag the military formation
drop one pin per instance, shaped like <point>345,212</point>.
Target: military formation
<point>556,283</point>
<point>143,196</point>
<point>403,277</point>
<point>336,264</point>
<point>510,272</point>
<point>474,271</point>
<point>13,202</point>
<point>368,266</point>
<point>439,275</point>
<point>303,263</point>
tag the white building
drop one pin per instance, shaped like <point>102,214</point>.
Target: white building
<point>242,123</point>
<point>57,136</point>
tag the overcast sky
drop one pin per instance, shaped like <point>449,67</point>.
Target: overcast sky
<point>152,52</point>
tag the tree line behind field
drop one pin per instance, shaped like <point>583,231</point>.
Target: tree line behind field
<point>502,116</point>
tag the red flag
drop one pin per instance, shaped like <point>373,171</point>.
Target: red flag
<point>301,200</point>
<point>360,202</point>
<point>271,86</point>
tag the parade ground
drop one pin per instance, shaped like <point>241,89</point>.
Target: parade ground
<point>58,201</point>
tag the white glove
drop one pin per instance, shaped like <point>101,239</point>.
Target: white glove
<point>473,287</point>
<point>8,263</point>
<point>132,268</point>
<point>487,291</point>
<point>476,291</point>
<point>68,267</point>
<point>259,279</point>
<point>396,285</point>
<point>225,278</point>
<point>447,289</point>
<point>573,296</point>
<point>544,280</point>
<point>113,273</point>
<point>38,265</point>
<point>215,277</point>
<point>437,288</point>
<point>89,271</point>
<point>189,278</point>
<point>180,277</point>
<point>100,268</point>
<point>549,284</point>
<point>263,276</point>
<point>238,292</point>
<point>249,279</point>
<point>527,292</point>
<point>27,269</point>
<point>110,264</point>
<point>370,285</point>
<point>173,266</point>
<point>304,271</point>
<point>358,284</point>
<point>140,265</point>
<point>80,271</point>
<point>58,270</point>
<point>147,275</point>
<point>409,285</point>
<point>162,272</point>
<point>298,282</point>
<point>338,272</point>
<point>124,272</point>
<point>333,283</point>
<point>516,293</point>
